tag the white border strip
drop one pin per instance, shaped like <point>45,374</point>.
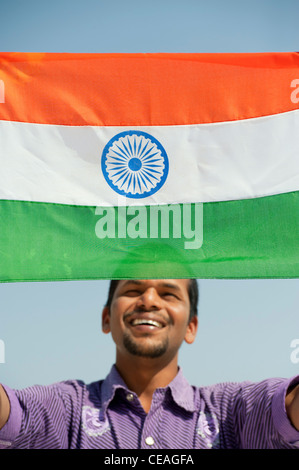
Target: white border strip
<point>207,162</point>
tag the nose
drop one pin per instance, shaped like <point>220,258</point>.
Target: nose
<point>149,300</point>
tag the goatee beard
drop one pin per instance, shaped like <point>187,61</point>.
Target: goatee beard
<point>156,350</point>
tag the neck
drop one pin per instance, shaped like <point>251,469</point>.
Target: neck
<point>144,375</point>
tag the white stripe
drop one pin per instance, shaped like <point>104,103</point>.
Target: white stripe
<point>207,162</point>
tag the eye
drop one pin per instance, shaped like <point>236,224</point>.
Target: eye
<point>169,295</point>
<point>131,292</point>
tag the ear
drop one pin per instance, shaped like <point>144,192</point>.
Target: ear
<point>191,330</point>
<point>106,320</point>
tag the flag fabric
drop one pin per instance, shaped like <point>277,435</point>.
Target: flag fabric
<point>149,165</point>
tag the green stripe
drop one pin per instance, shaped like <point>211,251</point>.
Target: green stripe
<point>255,238</point>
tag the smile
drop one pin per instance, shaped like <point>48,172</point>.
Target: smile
<point>144,321</point>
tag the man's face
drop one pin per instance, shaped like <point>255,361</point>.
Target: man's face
<point>150,318</point>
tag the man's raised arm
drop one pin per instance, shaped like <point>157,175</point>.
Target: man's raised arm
<point>292,406</point>
<point>4,407</point>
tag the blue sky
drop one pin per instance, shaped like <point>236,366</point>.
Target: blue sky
<point>155,26</point>
<point>51,331</point>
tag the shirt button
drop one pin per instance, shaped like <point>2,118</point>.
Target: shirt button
<point>130,397</point>
<point>149,441</point>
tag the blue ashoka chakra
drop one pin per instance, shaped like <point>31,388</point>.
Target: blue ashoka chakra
<point>134,164</point>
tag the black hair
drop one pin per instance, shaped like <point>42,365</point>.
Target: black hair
<point>192,291</point>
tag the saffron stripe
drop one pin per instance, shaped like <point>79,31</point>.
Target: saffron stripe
<point>146,89</point>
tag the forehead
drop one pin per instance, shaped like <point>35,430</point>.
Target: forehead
<point>159,284</point>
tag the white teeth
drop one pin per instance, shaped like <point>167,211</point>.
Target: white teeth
<point>140,321</point>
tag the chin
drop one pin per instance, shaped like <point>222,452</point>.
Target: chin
<point>142,350</point>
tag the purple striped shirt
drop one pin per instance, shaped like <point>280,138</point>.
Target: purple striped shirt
<point>107,415</point>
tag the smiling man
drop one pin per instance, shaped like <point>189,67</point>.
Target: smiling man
<point>145,401</point>
<point>148,321</point>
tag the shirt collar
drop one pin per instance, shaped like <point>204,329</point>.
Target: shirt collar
<point>112,382</point>
<point>181,391</point>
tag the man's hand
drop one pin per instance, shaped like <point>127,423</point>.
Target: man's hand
<point>4,407</point>
<point>292,406</point>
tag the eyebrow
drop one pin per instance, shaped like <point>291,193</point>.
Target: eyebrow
<point>168,285</point>
<point>132,281</point>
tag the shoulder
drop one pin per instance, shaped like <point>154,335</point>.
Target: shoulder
<point>232,397</point>
<point>67,392</point>
<point>245,387</point>
<point>249,413</point>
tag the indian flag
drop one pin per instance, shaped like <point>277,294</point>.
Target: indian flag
<point>149,165</point>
